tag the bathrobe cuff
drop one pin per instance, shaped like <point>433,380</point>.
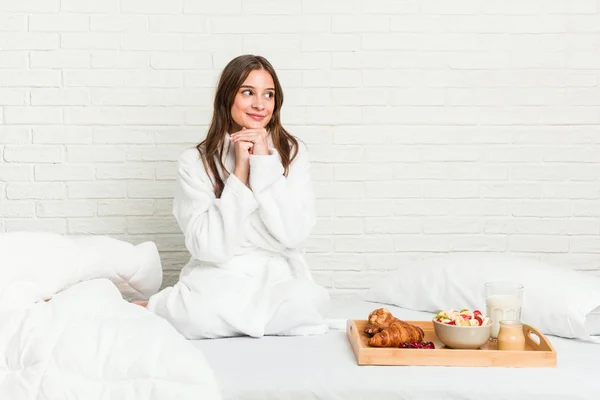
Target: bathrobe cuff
<point>265,170</point>
<point>235,187</point>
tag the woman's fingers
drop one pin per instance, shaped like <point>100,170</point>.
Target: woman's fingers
<point>244,144</point>
<point>250,130</point>
<point>249,137</point>
<point>249,134</point>
<point>252,139</point>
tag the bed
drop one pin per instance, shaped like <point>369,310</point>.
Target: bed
<point>86,341</point>
<point>324,367</point>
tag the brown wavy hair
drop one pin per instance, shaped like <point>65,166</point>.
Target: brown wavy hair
<point>232,78</point>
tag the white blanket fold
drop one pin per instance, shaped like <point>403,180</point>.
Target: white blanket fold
<point>87,342</point>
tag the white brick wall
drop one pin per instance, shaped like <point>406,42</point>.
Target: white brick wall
<point>433,126</point>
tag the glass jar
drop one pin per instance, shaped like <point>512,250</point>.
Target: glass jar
<point>511,336</point>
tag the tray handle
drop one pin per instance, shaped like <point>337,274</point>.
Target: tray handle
<point>536,339</point>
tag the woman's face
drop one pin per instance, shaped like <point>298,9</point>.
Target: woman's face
<point>254,101</point>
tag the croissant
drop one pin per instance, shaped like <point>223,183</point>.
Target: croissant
<point>378,320</point>
<point>397,332</point>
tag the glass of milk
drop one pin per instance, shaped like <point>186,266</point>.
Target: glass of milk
<point>503,302</point>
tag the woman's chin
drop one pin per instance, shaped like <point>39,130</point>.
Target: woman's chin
<point>252,124</point>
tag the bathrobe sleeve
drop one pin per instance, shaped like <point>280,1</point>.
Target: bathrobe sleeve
<point>286,204</point>
<point>212,227</point>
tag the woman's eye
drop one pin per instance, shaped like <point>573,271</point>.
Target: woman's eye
<point>270,95</point>
<point>247,92</point>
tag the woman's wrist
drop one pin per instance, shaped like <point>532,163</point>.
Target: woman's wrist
<point>242,174</point>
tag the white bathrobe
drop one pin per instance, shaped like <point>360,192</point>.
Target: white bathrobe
<point>247,274</point>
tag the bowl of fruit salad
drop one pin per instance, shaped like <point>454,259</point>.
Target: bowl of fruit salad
<point>462,329</point>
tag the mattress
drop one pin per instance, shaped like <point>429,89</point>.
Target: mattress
<point>324,367</point>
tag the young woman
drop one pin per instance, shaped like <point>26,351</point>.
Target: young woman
<point>245,205</point>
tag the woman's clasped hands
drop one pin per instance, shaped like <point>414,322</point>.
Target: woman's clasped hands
<point>256,139</point>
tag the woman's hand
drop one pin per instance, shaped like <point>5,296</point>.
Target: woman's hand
<point>257,136</point>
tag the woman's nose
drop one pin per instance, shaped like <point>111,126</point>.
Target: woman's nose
<point>258,103</point>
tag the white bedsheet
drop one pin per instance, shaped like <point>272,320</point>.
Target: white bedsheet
<point>324,367</point>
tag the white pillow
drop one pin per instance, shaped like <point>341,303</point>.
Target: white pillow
<point>558,301</point>
<point>37,265</point>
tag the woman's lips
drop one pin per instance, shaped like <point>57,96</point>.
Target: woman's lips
<point>256,117</point>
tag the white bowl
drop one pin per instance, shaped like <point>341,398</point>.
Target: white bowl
<point>462,337</point>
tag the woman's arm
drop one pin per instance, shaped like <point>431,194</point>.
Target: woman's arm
<point>286,204</point>
<point>213,228</point>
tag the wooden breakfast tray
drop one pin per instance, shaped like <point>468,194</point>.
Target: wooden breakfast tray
<point>535,355</point>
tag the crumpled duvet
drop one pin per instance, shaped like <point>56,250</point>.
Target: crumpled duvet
<point>87,342</point>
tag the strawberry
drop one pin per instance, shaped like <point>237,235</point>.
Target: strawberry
<point>476,312</point>
<point>478,318</point>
